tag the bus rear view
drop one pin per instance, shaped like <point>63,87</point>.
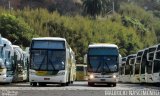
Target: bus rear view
<point>103,62</point>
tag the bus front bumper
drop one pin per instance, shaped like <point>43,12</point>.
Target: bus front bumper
<point>5,79</point>
<point>47,79</point>
<point>103,80</point>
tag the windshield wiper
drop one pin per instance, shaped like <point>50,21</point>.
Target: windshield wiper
<point>107,66</point>
<point>98,66</point>
<point>52,64</point>
<point>42,63</point>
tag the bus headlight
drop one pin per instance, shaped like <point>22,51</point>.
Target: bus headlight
<point>114,76</point>
<point>91,76</point>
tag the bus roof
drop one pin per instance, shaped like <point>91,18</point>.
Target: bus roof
<point>102,45</point>
<point>50,38</point>
<point>132,55</point>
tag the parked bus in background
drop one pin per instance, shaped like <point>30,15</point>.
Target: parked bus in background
<point>6,61</point>
<point>150,58</point>
<point>73,66</point>
<point>156,65</point>
<point>143,69</point>
<point>27,59</point>
<point>103,64</point>
<point>122,69</point>
<point>50,61</point>
<point>20,73</point>
<point>137,74</point>
<point>81,72</point>
<point>127,76</point>
<point>132,68</point>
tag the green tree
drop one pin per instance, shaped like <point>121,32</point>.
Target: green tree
<point>15,29</point>
<point>94,7</point>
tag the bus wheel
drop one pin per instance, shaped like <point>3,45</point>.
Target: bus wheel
<point>90,84</point>
<point>114,84</point>
<point>67,84</point>
<point>42,84</point>
<point>71,82</point>
<point>34,84</point>
<point>31,84</point>
<point>63,84</point>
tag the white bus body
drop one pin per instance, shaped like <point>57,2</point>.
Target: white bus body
<point>103,64</point>
<point>150,66</point>
<point>132,65</point>
<point>143,67</point>
<point>6,67</point>
<point>51,61</point>
<point>122,69</point>
<point>156,65</point>
<point>127,75</point>
<point>20,66</point>
<point>137,76</point>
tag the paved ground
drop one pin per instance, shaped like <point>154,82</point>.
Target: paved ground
<point>78,89</point>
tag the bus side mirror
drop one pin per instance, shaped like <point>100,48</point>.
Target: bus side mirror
<point>157,55</point>
<point>120,59</point>
<point>85,59</point>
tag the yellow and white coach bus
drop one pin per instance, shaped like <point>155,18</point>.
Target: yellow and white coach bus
<point>51,62</point>
<point>103,64</point>
<point>6,61</point>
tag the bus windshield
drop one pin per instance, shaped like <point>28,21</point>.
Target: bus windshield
<point>48,59</point>
<point>106,64</point>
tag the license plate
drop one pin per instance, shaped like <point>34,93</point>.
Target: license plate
<point>46,78</point>
<point>103,80</point>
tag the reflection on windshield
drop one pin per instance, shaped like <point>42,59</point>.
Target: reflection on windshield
<point>0,52</point>
<point>103,64</point>
<point>48,60</point>
<point>8,63</point>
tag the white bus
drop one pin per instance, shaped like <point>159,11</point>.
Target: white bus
<point>122,70</point>
<point>20,73</point>
<point>143,68</point>
<point>132,68</point>
<point>156,65</point>
<point>6,61</point>
<point>51,62</point>
<point>128,70</point>
<point>137,73</point>
<point>103,64</point>
<point>150,66</point>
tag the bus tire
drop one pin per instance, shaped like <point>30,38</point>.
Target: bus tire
<point>42,84</point>
<point>34,84</point>
<point>63,84</point>
<point>31,83</point>
<point>114,84</point>
<point>67,84</point>
<point>90,84</point>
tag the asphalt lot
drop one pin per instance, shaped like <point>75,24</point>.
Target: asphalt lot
<point>79,88</point>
